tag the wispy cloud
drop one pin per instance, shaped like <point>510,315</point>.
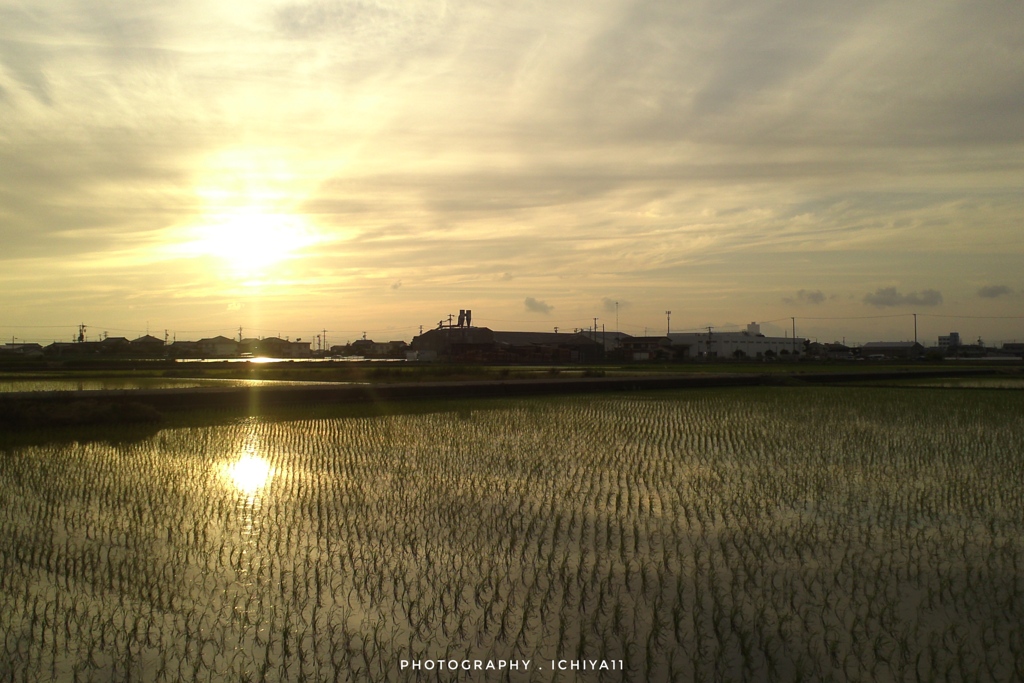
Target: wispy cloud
<point>804,296</point>
<point>890,296</point>
<point>722,158</point>
<point>994,291</point>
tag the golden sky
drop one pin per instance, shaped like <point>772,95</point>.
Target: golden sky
<point>374,165</point>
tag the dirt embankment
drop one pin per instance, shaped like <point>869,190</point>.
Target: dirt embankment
<point>33,410</point>
<point>32,413</point>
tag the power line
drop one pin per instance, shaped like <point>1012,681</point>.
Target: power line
<point>502,320</point>
<point>973,317</point>
<point>853,317</point>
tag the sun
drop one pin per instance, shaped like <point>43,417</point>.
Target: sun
<point>251,241</point>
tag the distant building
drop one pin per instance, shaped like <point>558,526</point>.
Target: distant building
<point>549,347</point>
<point>110,346</point>
<point>455,342</point>
<point>750,343</point>
<point>68,348</point>
<point>949,340</point>
<point>647,348</point>
<point>183,349</point>
<point>217,347</point>
<point>147,345</point>
<point>367,348</point>
<point>837,351</point>
<point>612,341</point>
<point>275,347</point>
<point>114,345</point>
<point>480,344</point>
<point>883,349</point>
<point>1014,348</point>
<point>27,350</point>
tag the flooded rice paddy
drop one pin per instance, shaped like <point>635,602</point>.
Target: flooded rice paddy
<point>769,534</point>
<point>122,383</point>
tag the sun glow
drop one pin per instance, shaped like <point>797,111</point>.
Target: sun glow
<point>251,241</point>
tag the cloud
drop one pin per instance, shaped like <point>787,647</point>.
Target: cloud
<point>994,291</point>
<point>680,155</point>
<point>613,305</point>
<point>806,297</point>
<point>536,306</point>
<point>890,296</point>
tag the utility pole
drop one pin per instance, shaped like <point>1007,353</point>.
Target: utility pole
<point>617,328</point>
<point>668,323</point>
<point>794,334</point>
<point>915,328</point>
<point>239,334</point>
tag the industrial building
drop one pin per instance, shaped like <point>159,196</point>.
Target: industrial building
<point>481,344</point>
<point>749,343</point>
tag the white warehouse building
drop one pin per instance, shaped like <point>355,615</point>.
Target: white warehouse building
<point>725,344</point>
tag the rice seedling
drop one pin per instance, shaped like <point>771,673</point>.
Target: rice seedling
<point>783,533</point>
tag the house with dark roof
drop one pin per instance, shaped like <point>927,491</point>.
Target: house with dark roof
<point>24,349</point>
<point>147,345</point>
<point>114,345</point>
<point>367,348</point>
<point>183,349</point>
<point>884,349</point>
<point>275,347</point>
<point>217,347</point>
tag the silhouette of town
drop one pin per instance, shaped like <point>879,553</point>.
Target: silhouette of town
<point>456,339</point>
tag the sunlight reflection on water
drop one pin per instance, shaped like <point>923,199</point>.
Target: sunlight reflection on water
<point>249,474</point>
